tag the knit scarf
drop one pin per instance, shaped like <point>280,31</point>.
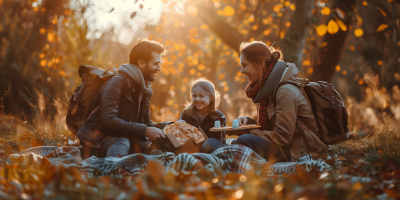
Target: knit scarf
<point>136,74</point>
<point>251,92</point>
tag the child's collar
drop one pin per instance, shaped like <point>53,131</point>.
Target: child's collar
<point>193,112</point>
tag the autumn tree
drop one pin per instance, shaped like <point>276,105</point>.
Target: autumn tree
<point>330,52</point>
<point>28,55</point>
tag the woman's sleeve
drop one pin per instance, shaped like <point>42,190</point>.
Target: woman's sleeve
<point>251,120</point>
<point>286,115</point>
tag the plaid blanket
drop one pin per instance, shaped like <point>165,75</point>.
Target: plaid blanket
<point>228,159</point>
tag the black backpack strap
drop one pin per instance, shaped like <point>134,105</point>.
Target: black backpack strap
<point>77,94</point>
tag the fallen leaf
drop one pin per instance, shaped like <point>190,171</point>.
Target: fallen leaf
<point>277,7</point>
<point>201,67</point>
<point>325,11</point>
<point>332,27</point>
<point>359,20</point>
<point>321,30</point>
<point>133,14</point>
<point>142,187</point>
<point>36,143</point>
<point>391,165</point>
<point>383,12</point>
<point>340,158</point>
<point>65,20</point>
<point>358,32</point>
<point>382,27</point>
<point>304,176</point>
<point>392,193</point>
<point>306,63</point>
<point>156,170</point>
<point>344,170</point>
<point>342,26</point>
<point>396,174</point>
<point>42,30</point>
<point>229,11</point>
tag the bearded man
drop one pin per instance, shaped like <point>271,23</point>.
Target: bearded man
<point>122,124</point>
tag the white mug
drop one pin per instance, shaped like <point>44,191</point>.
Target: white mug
<point>217,124</point>
<point>235,123</point>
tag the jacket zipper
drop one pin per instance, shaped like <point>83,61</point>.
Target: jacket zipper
<point>303,135</point>
<point>301,146</point>
<point>141,110</point>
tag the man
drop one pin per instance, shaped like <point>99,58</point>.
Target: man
<point>122,121</point>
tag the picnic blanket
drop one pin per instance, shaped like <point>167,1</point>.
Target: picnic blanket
<point>228,159</point>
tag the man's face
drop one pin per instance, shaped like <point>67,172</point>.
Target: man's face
<point>152,67</point>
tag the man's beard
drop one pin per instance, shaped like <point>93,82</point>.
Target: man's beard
<point>147,72</point>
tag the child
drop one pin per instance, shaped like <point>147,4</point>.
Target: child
<point>202,110</point>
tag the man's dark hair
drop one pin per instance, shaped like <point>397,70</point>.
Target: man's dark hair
<point>143,48</point>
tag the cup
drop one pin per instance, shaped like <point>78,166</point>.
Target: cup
<point>217,124</point>
<point>235,123</point>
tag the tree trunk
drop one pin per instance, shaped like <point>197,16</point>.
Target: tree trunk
<point>389,52</point>
<point>293,43</point>
<point>329,55</point>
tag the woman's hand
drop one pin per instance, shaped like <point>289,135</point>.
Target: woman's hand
<point>242,120</point>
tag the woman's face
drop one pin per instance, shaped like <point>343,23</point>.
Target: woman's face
<point>200,99</point>
<point>249,70</point>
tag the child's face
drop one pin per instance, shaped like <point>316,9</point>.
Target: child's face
<point>200,98</point>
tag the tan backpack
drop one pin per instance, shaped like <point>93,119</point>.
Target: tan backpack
<point>79,104</point>
<point>328,109</point>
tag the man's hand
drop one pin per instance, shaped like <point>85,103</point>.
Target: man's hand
<point>153,133</point>
<point>242,120</point>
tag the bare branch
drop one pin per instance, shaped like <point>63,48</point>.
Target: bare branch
<point>219,26</point>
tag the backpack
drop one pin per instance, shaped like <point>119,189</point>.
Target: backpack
<point>328,108</point>
<point>79,104</point>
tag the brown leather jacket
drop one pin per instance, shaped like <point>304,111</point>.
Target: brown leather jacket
<point>287,130</point>
<point>120,114</point>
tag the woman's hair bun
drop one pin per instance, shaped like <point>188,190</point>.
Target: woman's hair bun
<point>275,56</point>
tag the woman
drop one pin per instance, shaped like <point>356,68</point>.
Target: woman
<point>281,137</point>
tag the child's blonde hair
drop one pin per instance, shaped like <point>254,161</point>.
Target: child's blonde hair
<point>208,87</point>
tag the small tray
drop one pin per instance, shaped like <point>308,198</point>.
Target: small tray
<point>236,129</point>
